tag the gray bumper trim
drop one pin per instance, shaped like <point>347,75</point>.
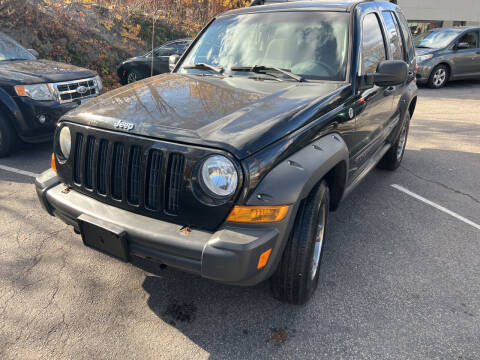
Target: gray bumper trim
<point>228,255</point>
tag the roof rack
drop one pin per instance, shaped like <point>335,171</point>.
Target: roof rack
<point>266,2</point>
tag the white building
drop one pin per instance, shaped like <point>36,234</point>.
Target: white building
<point>426,14</point>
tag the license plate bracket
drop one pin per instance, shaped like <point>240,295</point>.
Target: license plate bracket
<point>103,236</point>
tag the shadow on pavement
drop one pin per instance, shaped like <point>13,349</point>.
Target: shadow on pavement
<point>33,158</point>
<point>454,90</point>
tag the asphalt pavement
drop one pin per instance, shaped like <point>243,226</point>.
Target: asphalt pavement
<point>400,278</point>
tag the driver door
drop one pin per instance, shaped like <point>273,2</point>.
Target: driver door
<point>467,61</point>
<point>161,56</point>
<point>376,102</point>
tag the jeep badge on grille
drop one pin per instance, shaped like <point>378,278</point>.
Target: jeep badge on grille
<point>124,125</point>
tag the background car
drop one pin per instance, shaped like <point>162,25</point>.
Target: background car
<point>140,67</point>
<point>448,54</point>
<point>34,93</point>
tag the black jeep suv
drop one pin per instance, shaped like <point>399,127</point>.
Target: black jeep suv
<point>229,166</point>
<point>34,94</point>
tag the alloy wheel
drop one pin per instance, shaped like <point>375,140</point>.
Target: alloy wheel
<point>319,236</point>
<point>439,77</point>
<point>402,142</point>
<point>132,77</point>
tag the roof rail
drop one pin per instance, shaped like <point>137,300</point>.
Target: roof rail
<point>265,2</point>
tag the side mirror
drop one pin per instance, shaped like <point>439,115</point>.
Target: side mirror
<point>172,61</point>
<point>389,73</point>
<point>462,45</point>
<point>34,53</point>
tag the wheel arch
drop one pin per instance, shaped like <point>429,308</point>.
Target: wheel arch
<point>412,106</point>
<point>336,180</point>
<point>10,110</point>
<point>449,68</point>
<point>326,158</point>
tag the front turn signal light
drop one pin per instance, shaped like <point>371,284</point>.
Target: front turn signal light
<point>21,90</point>
<point>53,164</point>
<point>258,214</point>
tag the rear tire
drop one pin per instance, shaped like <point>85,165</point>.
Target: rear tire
<point>296,277</point>
<point>8,137</point>
<point>439,77</point>
<point>393,158</point>
<point>133,76</point>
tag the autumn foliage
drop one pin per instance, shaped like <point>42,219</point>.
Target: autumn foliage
<point>99,34</point>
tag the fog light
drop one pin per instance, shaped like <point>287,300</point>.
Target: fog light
<point>42,119</point>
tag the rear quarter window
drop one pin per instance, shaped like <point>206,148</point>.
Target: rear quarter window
<point>407,35</point>
<point>394,36</point>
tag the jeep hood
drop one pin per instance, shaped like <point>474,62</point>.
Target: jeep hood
<point>237,114</point>
<point>41,71</point>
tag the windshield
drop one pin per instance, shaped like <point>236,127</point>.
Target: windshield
<point>11,50</point>
<point>312,45</point>
<point>435,39</point>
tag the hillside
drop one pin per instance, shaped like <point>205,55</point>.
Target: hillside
<point>85,34</point>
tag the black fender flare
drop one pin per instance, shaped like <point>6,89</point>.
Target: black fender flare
<point>295,177</point>
<point>408,98</point>
<point>13,111</point>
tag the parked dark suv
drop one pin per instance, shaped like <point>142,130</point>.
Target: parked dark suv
<point>229,166</point>
<point>140,67</point>
<point>448,54</point>
<point>35,93</point>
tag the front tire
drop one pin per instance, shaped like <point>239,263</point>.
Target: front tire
<point>296,277</point>
<point>8,137</point>
<point>439,77</point>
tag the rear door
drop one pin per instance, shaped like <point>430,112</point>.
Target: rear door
<point>396,49</point>
<point>467,61</point>
<point>377,102</point>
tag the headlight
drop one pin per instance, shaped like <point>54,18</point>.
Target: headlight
<point>422,58</point>
<point>65,142</point>
<point>219,176</point>
<point>98,80</point>
<point>39,92</point>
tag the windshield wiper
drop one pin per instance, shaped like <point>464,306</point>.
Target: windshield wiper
<point>217,69</point>
<point>423,47</point>
<point>260,68</point>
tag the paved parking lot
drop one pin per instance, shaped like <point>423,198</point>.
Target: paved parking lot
<point>401,278</point>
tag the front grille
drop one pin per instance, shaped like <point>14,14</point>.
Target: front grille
<point>154,176</point>
<point>117,171</point>
<point>143,186</point>
<point>174,181</point>
<point>69,91</point>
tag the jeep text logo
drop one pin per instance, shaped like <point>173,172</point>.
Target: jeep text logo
<point>124,125</point>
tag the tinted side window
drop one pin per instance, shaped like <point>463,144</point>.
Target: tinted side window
<point>373,45</point>
<point>407,36</point>
<point>164,51</point>
<point>393,35</point>
<point>471,39</point>
<point>180,48</point>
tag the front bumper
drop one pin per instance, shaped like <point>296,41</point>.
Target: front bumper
<point>423,72</point>
<point>229,255</point>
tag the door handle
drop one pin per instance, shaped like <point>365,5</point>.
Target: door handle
<point>389,90</point>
